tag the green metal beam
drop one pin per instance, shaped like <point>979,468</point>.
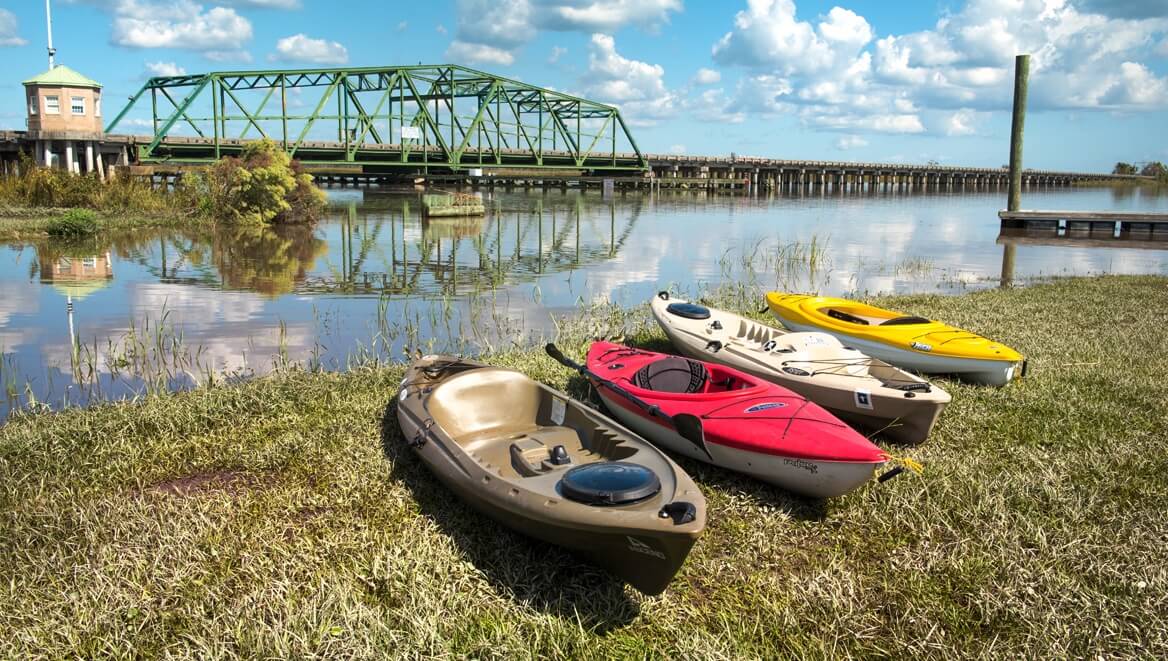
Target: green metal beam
<point>439,100</point>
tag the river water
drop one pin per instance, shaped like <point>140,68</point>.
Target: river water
<point>171,309</point>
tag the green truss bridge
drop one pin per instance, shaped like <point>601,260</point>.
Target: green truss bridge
<point>426,118</point>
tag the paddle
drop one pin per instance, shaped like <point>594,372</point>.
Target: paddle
<point>688,426</point>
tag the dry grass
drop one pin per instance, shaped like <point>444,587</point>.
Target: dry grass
<point>284,518</point>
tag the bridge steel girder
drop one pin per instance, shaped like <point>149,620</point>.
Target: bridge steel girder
<point>457,118</point>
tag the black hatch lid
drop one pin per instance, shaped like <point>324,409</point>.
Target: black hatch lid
<point>689,310</point>
<point>609,483</point>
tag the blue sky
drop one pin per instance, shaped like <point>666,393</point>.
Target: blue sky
<point>864,80</point>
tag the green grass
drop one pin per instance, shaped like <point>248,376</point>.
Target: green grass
<point>28,223</point>
<point>284,518</point>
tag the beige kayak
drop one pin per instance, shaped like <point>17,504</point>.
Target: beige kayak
<point>545,465</point>
<point>863,391</point>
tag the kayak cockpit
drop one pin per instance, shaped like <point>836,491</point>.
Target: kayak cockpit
<point>678,375</point>
<point>535,434</point>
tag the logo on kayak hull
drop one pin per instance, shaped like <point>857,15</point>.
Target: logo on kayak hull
<point>643,548</point>
<point>808,466</point>
<point>921,346</point>
<point>765,406</point>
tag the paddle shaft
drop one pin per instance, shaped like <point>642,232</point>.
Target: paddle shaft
<point>554,352</point>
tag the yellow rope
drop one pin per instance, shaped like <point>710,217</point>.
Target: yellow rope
<point>908,462</point>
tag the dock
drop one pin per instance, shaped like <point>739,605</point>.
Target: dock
<point>1144,225</point>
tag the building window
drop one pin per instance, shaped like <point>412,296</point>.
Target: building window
<point>77,105</point>
<point>32,104</point>
<point>97,107</point>
<point>52,105</point>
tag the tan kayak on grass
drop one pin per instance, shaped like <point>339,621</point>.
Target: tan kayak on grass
<point>861,390</point>
<point>545,465</point>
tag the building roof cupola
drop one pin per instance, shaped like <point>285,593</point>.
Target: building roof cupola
<point>63,104</point>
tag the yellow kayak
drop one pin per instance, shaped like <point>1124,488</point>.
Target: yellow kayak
<point>914,343</point>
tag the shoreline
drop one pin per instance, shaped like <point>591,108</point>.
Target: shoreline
<point>283,516</point>
<point>30,223</point>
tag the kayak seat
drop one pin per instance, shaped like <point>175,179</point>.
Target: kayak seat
<point>906,321</point>
<point>673,374</point>
<point>844,316</point>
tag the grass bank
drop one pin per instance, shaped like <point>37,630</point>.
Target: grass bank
<point>31,223</point>
<point>284,518</point>
<point>262,186</point>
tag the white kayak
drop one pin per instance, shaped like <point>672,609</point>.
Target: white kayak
<point>862,390</point>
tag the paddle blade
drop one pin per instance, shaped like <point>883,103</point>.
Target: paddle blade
<point>554,351</point>
<point>689,427</point>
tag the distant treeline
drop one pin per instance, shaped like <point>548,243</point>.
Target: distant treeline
<point>1150,169</point>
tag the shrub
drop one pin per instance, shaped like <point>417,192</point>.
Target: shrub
<point>45,187</point>
<point>73,223</point>
<point>262,186</point>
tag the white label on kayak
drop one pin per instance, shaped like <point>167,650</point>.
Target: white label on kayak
<point>765,406</point>
<point>921,346</point>
<point>812,340</point>
<point>559,408</point>
<point>864,399</point>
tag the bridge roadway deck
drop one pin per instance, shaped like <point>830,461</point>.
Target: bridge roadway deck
<point>665,170</point>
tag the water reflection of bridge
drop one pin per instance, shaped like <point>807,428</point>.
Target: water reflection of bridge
<point>501,250</point>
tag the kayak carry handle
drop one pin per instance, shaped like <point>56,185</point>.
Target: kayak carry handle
<point>890,474</point>
<point>663,295</point>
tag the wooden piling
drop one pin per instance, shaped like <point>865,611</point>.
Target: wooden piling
<point>1021,74</point>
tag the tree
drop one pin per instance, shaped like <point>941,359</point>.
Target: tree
<point>1124,168</point>
<point>262,186</point>
<point>1154,169</point>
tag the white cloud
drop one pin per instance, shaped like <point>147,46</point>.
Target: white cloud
<point>767,35</point>
<point>459,51</point>
<point>844,26</point>
<point>617,78</point>
<point>763,94</point>
<point>638,87</point>
<point>847,142</point>
<point>607,15</point>
<point>180,24</point>
<point>886,123</point>
<point>713,105</point>
<point>302,48</point>
<point>834,74</point>
<point>556,54</point>
<point>1136,85</point>
<point>706,76</point>
<point>960,123</point>
<point>490,26</point>
<point>8,30</point>
<point>164,69</point>
<point>677,149</point>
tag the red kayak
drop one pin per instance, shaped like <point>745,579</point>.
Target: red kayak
<point>750,425</point>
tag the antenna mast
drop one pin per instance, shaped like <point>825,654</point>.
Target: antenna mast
<point>49,23</point>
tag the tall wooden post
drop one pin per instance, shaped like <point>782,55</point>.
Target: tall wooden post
<point>1021,73</point>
